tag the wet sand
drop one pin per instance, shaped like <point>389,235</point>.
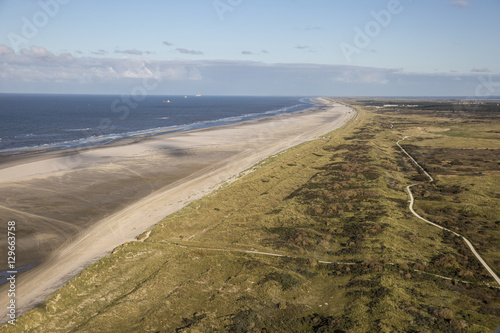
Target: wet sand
<point>73,207</point>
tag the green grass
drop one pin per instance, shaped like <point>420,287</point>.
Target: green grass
<point>339,198</point>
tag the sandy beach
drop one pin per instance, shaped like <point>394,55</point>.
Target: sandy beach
<point>72,208</point>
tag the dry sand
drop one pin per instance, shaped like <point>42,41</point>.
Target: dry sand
<point>72,209</point>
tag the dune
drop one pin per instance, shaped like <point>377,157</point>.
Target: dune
<point>79,205</point>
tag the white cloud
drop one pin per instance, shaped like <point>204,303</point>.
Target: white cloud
<point>131,52</point>
<point>186,51</point>
<point>99,52</point>
<point>481,70</point>
<point>35,51</point>
<point>40,65</point>
<point>104,72</point>
<point>37,54</point>
<point>39,70</point>
<point>139,71</point>
<point>363,75</point>
<point>5,50</point>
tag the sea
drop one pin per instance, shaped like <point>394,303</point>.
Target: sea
<point>34,123</point>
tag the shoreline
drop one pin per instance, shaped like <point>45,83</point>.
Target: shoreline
<point>7,160</point>
<point>218,152</point>
<point>10,156</point>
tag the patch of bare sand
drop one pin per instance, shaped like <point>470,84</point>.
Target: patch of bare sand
<point>207,157</point>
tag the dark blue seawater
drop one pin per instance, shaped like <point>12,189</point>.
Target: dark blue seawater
<point>50,122</point>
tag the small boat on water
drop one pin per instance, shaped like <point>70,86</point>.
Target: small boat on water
<point>166,101</point>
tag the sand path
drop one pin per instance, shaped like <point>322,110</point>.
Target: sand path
<point>412,202</point>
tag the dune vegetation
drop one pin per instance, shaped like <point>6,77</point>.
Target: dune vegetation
<point>318,238</point>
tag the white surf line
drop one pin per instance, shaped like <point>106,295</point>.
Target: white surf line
<point>412,201</point>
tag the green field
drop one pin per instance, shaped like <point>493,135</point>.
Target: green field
<point>339,199</point>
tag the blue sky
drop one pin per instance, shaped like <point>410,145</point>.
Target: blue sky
<point>243,47</point>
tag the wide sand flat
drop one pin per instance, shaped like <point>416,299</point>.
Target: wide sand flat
<point>71,210</point>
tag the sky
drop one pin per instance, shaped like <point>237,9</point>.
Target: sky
<point>251,47</point>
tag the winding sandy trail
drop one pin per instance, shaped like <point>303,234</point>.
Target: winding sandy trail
<point>259,139</point>
<point>412,201</point>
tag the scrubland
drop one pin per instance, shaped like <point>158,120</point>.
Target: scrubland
<point>353,257</point>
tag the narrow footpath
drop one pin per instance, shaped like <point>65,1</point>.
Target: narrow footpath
<point>412,201</point>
